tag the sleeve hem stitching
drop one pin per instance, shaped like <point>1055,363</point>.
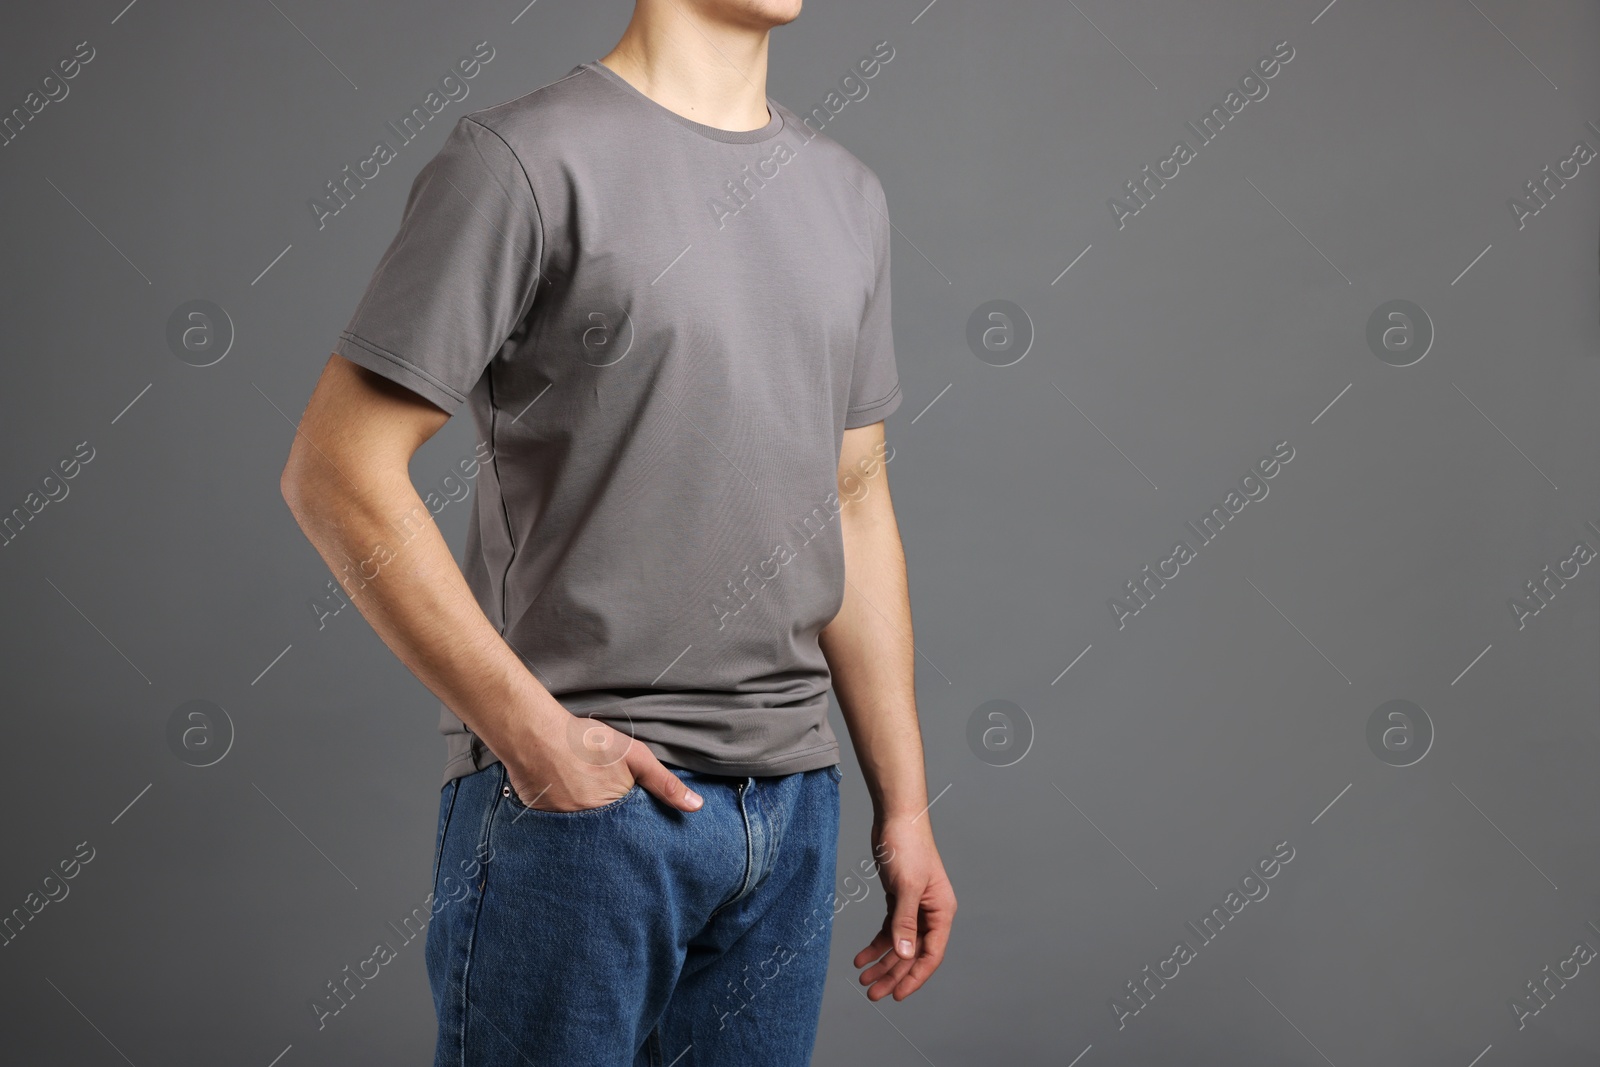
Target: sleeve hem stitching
<point>861,408</point>
<point>361,342</point>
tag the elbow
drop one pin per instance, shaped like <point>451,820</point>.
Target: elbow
<point>289,488</point>
<point>306,473</point>
<point>288,483</point>
<point>292,488</point>
<point>297,483</point>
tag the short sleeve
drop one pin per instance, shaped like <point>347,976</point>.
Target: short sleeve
<point>457,278</point>
<point>875,383</point>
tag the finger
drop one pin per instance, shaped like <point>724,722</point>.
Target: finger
<point>657,780</point>
<point>934,939</point>
<point>886,985</point>
<point>887,964</point>
<point>903,920</point>
<point>881,967</point>
<point>874,950</point>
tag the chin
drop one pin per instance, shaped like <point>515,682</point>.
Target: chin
<point>763,14</point>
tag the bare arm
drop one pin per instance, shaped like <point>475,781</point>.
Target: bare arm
<point>348,484</point>
<point>869,650</point>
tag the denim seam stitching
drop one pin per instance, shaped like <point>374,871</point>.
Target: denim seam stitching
<point>484,835</point>
<point>744,885</point>
<point>444,831</point>
<point>625,798</point>
<point>775,828</point>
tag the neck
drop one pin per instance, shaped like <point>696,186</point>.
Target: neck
<point>713,72</point>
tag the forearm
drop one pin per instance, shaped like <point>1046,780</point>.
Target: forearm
<point>870,653</point>
<point>396,568</point>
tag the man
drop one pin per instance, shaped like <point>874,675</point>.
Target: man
<point>665,302</point>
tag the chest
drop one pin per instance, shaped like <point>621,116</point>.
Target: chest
<point>757,247</point>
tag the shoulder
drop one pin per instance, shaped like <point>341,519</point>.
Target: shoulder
<point>832,156</point>
<point>542,119</point>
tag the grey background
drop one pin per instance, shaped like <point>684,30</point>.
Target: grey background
<point>1226,717</point>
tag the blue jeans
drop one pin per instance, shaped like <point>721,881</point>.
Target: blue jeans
<point>633,935</point>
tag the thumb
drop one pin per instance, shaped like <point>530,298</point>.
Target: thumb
<point>657,780</point>
<point>902,924</point>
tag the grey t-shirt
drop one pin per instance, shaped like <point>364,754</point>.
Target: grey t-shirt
<point>662,330</point>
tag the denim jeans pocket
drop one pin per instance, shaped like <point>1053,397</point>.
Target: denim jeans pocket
<point>515,802</point>
<point>447,797</point>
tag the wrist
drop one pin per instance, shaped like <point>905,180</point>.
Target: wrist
<point>898,803</point>
<point>899,821</point>
<point>533,737</point>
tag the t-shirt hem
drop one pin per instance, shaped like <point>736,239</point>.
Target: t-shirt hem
<point>399,370</point>
<point>876,411</point>
<point>478,757</point>
<point>809,759</point>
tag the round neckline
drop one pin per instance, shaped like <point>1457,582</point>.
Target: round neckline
<point>715,133</point>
